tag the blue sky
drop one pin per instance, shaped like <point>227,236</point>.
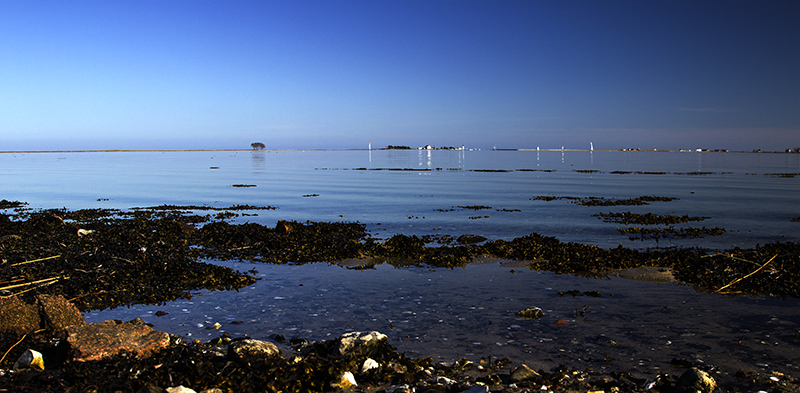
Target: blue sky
<point>340,74</point>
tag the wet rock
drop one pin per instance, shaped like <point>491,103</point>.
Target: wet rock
<point>523,373</point>
<point>57,313</point>
<point>647,274</point>
<point>353,341</point>
<point>30,359</point>
<point>344,381</point>
<point>694,380</point>
<point>252,351</point>
<point>96,341</point>
<point>530,313</point>
<point>18,317</point>
<point>470,239</point>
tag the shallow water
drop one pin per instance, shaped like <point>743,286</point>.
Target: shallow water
<point>468,312</point>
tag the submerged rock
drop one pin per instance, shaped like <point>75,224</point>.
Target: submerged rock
<point>530,313</point>
<point>470,239</point>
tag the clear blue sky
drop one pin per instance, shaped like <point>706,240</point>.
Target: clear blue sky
<point>339,74</point>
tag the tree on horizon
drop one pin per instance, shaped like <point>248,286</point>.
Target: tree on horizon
<point>257,146</point>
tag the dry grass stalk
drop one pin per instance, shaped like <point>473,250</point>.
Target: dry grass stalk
<point>37,260</point>
<point>46,281</point>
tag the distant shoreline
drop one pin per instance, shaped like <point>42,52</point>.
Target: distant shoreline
<point>380,149</point>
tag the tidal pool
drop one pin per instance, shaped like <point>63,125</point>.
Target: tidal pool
<point>610,324</point>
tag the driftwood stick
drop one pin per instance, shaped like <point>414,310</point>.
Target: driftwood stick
<point>12,347</point>
<point>742,278</point>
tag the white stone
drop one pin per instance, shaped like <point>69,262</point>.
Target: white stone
<point>369,364</point>
<point>345,381</point>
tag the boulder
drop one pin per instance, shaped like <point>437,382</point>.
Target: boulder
<point>694,380</point>
<point>251,351</point>
<point>18,317</point>
<point>57,312</point>
<point>96,341</point>
<point>353,341</point>
<point>50,312</point>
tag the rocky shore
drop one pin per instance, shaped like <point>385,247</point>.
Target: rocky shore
<point>54,264</point>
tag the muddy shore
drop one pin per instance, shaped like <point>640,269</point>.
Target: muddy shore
<point>100,259</point>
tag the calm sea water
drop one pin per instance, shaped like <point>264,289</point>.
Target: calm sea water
<point>449,314</point>
<point>420,192</point>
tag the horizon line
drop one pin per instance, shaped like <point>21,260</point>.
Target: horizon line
<point>367,149</point>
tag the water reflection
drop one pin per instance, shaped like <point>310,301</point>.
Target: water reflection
<point>468,312</point>
<point>258,159</point>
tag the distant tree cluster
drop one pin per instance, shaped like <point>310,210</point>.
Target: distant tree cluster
<point>257,146</point>
<point>393,147</point>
